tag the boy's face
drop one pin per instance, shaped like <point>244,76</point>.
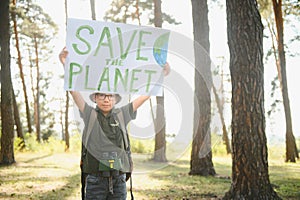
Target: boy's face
<point>105,102</point>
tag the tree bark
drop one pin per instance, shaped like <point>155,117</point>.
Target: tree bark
<point>201,155</point>
<point>7,118</point>
<point>160,121</point>
<point>37,97</point>
<point>250,176</point>
<point>224,129</point>
<point>93,11</point>
<point>65,132</point>
<point>291,147</point>
<point>160,130</point>
<point>28,116</point>
<point>137,11</point>
<point>67,136</point>
<point>18,122</point>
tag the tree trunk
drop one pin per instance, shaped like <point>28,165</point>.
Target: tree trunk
<point>7,119</point>
<point>18,122</point>
<point>137,12</point>
<point>66,132</point>
<point>291,148</point>
<point>160,130</point>
<point>160,121</point>
<point>250,176</point>
<point>62,121</point>
<point>201,155</point>
<point>28,116</point>
<point>67,136</point>
<point>37,97</point>
<point>224,129</point>
<point>93,11</point>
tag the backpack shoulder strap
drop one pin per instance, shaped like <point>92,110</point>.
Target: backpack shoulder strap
<point>92,120</point>
<point>123,127</point>
<point>121,120</point>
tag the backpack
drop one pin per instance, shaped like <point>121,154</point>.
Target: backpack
<point>126,140</point>
<point>120,118</point>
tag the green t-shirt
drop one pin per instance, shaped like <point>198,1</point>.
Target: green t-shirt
<point>105,137</point>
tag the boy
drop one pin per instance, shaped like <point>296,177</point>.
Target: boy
<point>104,158</point>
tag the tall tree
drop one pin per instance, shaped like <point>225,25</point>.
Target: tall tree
<point>66,132</point>
<point>7,117</point>
<point>160,131</point>
<point>15,106</point>
<point>291,148</point>
<point>37,96</point>
<point>201,155</point>
<point>19,61</point>
<point>38,28</point>
<point>250,176</point>
<point>220,101</point>
<point>122,11</point>
<point>224,129</point>
<point>18,123</point>
<point>93,10</point>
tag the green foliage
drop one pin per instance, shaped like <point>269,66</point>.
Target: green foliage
<point>122,11</point>
<point>51,146</point>
<point>218,147</point>
<point>75,143</point>
<point>292,7</point>
<point>141,146</point>
<point>147,146</point>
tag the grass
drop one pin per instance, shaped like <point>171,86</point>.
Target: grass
<point>41,176</point>
<point>56,175</point>
<point>173,182</point>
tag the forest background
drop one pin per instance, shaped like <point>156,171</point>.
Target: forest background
<point>52,93</point>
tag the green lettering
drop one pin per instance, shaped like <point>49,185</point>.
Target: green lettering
<point>121,62</point>
<point>107,61</point>
<point>114,62</point>
<point>124,80</point>
<point>71,72</point>
<point>75,46</point>
<point>104,77</point>
<point>87,78</point>
<point>124,55</point>
<point>133,78</point>
<point>149,72</point>
<point>106,33</point>
<point>140,44</point>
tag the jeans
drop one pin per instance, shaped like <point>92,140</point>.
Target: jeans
<point>97,188</point>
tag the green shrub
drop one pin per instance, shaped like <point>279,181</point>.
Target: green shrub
<point>141,146</point>
<point>217,145</point>
<point>53,145</point>
<point>75,143</point>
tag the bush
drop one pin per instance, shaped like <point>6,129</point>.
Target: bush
<point>53,145</point>
<point>75,143</point>
<point>217,145</point>
<point>141,146</point>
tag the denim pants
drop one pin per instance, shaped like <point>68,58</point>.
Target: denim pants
<point>97,188</point>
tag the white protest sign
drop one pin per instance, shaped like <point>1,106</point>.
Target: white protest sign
<point>115,58</point>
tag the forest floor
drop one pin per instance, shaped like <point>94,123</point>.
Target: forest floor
<point>57,176</point>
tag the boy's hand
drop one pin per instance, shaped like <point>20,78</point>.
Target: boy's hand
<point>167,69</point>
<point>63,55</point>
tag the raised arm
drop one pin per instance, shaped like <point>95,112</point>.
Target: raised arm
<point>138,102</point>
<point>141,99</point>
<point>77,97</point>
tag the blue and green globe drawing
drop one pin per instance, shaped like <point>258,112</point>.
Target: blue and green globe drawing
<point>160,49</point>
